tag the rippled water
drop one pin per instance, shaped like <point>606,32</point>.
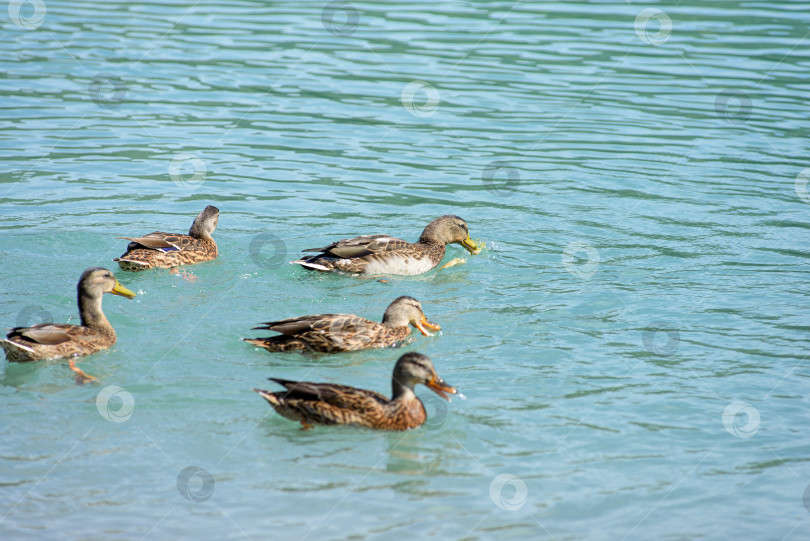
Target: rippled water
<point>632,343</point>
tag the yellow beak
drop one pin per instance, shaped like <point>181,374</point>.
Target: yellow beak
<point>470,246</point>
<point>121,290</point>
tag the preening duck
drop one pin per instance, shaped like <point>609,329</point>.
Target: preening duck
<point>166,250</point>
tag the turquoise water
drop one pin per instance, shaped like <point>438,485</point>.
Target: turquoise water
<point>632,343</point>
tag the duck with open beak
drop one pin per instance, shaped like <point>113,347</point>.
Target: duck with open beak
<point>471,246</point>
<point>440,387</point>
<point>334,333</point>
<point>423,324</point>
<point>333,404</point>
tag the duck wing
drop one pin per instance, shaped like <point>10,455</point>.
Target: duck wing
<point>333,394</point>
<point>158,240</point>
<point>47,334</point>
<point>302,324</point>
<point>324,324</point>
<point>361,246</point>
<point>329,333</point>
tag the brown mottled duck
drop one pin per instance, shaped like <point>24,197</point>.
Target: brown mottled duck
<point>333,404</point>
<point>166,250</point>
<point>384,255</point>
<point>334,333</point>
<point>54,340</point>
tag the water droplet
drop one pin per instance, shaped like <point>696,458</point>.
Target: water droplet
<point>461,396</point>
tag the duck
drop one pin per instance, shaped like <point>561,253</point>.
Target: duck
<point>386,255</point>
<point>167,250</point>
<point>335,333</point>
<point>334,404</point>
<point>55,341</point>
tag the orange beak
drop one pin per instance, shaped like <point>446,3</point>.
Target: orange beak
<point>438,386</point>
<point>423,323</point>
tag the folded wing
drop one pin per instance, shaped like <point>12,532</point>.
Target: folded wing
<point>47,334</point>
<point>158,240</point>
<point>360,246</point>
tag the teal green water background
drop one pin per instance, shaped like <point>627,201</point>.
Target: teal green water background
<point>632,343</point>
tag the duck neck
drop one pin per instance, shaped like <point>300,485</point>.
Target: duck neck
<point>91,314</point>
<point>433,248</point>
<point>428,239</point>
<point>401,391</point>
<point>198,231</point>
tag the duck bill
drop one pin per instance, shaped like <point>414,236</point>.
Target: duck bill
<point>423,325</point>
<point>470,245</point>
<point>121,290</point>
<point>438,386</point>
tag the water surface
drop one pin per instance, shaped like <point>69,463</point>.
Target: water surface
<point>632,343</point>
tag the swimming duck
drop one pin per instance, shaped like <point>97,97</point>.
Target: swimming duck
<point>167,250</point>
<point>333,333</point>
<point>333,404</point>
<point>54,341</point>
<point>383,254</point>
